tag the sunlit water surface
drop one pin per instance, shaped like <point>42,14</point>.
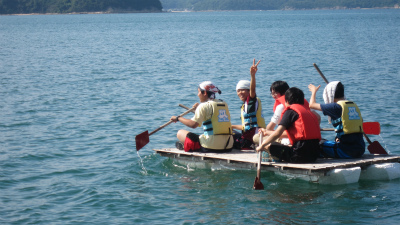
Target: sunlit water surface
<point>76,89</point>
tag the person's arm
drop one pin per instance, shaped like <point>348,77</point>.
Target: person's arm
<point>187,122</point>
<point>276,118</point>
<point>267,132</point>
<point>271,126</point>
<point>313,102</point>
<point>271,138</point>
<point>253,71</point>
<point>288,118</point>
<point>237,127</point>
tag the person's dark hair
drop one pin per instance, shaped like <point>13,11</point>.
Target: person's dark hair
<point>210,93</point>
<point>294,96</point>
<point>339,93</point>
<point>279,86</point>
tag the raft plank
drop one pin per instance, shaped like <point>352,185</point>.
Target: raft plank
<point>249,157</point>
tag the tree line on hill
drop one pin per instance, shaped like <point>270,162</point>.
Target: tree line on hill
<point>201,5</point>
<point>70,6</point>
<point>78,6</point>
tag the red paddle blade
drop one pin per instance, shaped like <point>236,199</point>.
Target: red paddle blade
<point>258,185</point>
<point>376,148</point>
<point>142,140</point>
<point>372,128</point>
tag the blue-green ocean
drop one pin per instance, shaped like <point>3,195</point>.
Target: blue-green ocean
<point>75,90</point>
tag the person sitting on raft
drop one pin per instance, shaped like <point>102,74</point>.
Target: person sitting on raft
<point>213,115</point>
<point>278,89</point>
<point>250,112</point>
<point>346,119</point>
<point>302,128</point>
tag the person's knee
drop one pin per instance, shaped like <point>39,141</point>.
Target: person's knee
<point>256,139</point>
<point>181,135</point>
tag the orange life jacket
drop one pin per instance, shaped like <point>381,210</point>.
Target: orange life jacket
<point>306,127</point>
<point>281,100</point>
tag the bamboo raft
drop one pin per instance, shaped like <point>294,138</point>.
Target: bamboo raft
<point>323,171</point>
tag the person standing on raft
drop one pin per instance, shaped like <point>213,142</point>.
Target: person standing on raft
<point>250,112</point>
<point>213,115</point>
<point>346,119</point>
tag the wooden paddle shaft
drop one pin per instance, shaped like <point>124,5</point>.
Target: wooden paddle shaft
<point>368,127</point>
<point>332,129</point>
<point>259,158</point>
<point>168,123</point>
<point>320,73</point>
<point>185,107</point>
<point>327,129</point>
<point>259,164</point>
<point>366,137</point>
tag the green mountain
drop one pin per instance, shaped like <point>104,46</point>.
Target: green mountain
<point>201,5</point>
<point>78,6</point>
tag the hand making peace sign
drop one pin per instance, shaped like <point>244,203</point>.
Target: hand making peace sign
<point>253,68</point>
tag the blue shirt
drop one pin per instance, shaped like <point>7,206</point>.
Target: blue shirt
<point>351,144</point>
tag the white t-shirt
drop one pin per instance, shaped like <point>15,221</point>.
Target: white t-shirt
<point>276,118</point>
<point>204,112</point>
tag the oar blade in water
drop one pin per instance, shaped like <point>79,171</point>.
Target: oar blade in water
<point>376,148</point>
<point>142,140</point>
<point>257,184</point>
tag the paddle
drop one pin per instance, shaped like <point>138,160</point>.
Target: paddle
<point>185,107</point>
<point>257,182</point>
<point>372,128</point>
<point>374,147</point>
<point>143,138</point>
<point>368,127</point>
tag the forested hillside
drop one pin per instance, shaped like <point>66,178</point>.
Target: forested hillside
<point>198,5</point>
<point>69,6</point>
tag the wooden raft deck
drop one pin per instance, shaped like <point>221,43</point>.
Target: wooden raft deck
<point>248,159</point>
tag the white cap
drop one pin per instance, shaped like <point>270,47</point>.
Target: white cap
<point>243,84</point>
<point>209,86</point>
<point>329,92</point>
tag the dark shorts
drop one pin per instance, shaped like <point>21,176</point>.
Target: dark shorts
<point>244,140</point>
<point>301,152</point>
<point>331,149</point>
<point>192,144</point>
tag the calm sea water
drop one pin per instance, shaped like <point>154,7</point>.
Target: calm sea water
<point>76,89</point>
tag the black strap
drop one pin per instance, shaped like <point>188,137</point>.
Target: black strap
<point>207,122</point>
<point>227,143</point>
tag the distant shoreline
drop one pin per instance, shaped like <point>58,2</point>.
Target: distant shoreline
<point>78,13</point>
<point>288,9</point>
<point>188,11</point>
